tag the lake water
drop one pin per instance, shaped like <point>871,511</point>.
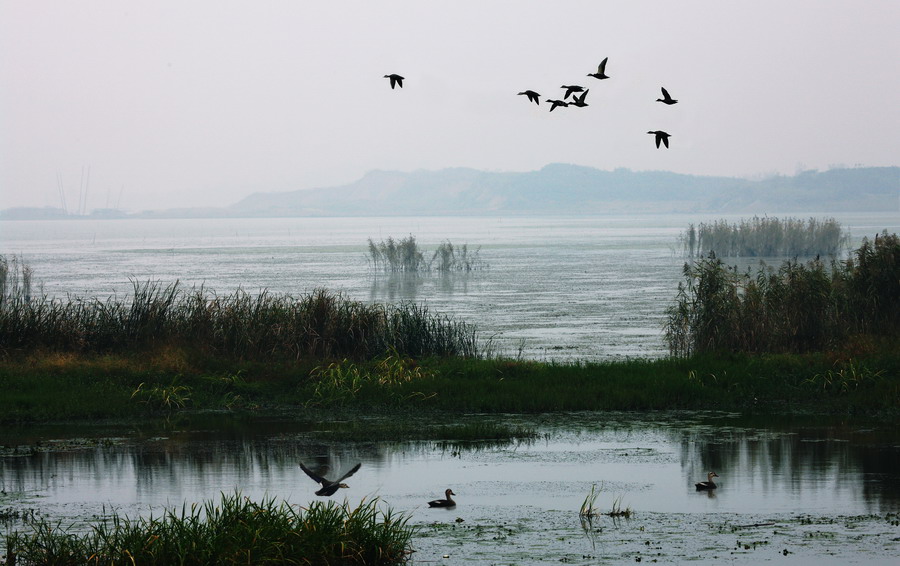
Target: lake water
<point>562,288</point>
<point>791,491</point>
<point>824,490</point>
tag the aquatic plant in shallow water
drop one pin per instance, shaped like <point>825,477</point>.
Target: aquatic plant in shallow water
<point>234,531</point>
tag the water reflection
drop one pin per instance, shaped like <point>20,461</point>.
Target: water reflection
<point>650,464</point>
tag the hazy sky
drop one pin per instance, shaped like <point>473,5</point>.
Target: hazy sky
<point>186,103</point>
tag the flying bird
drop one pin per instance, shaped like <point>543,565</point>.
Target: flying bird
<point>570,89</point>
<point>601,70</point>
<point>532,96</point>
<point>661,136</point>
<point>579,100</point>
<point>666,99</point>
<point>556,103</point>
<point>395,80</point>
<point>329,487</point>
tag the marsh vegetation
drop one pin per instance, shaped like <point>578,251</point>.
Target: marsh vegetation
<point>405,256</point>
<point>798,307</point>
<point>766,237</point>
<point>320,325</point>
<point>234,530</point>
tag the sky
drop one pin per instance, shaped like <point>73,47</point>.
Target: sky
<point>161,104</point>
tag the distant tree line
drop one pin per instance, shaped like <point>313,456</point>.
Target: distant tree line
<point>766,237</point>
<point>798,307</point>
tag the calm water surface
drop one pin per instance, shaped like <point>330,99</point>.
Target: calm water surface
<point>559,288</point>
<point>790,478</point>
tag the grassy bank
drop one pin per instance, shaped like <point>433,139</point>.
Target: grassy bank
<point>233,531</point>
<point>52,387</point>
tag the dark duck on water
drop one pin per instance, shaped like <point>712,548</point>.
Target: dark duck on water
<point>708,484</point>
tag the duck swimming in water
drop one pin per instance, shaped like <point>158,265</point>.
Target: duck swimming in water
<point>708,484</point>
<point>329,487</point>
<point>444,502</point>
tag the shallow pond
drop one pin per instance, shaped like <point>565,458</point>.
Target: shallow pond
<point>798,491</point>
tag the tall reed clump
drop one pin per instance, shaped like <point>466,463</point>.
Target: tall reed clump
<point>15,279</point>
<point>799,307</point>
<point>766,237</point>
<point>235,531</point>
<point>405,256</point>
<point>317,325</point>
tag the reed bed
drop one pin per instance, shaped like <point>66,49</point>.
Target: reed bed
<point>318,325</point>
<point>405,256</point>
<point>766,237</point>
<point>234,531</point>
<point>799,307</point>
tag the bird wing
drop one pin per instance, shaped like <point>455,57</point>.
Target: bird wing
<point>601,68</point>
<point>665,93</point>
<point>352,471</point>
<point>665,140</point>
<point>316,477</point>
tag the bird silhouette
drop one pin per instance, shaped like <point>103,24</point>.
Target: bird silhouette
<point>395,80</point>
<point>570,89</point>
<point>556,103</point>
<point>661,136</point>
<point>601,70</point>
<point>329,487</point>
<point>532,96</point>
<point>666,99</point>
<point>579,100</point>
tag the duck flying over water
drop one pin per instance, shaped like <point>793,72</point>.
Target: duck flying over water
<point>661,136</point>
<point>601,70</point>
<point>579,100</point>
<point>666,99</point>
<point>532,96</point>
<point>444,502</point>
<point>555,103</point>
<point>708,484</point>
<point>570,89</point>
<point>396,80</point>
<point>329,487</point>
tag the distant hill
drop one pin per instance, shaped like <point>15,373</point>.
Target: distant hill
<point>556,189</point>
<point>572,189</point>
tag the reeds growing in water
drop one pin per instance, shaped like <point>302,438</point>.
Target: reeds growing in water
<point>766,237</point>
<point>799,307</point>
<point>318,325</point>
<point>233,531</point>
<point>405,256</point>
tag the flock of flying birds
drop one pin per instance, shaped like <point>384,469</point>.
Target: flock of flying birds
<point>577,99</point>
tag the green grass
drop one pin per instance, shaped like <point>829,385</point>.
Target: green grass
<point>232,531</point>
<point>54,387</point>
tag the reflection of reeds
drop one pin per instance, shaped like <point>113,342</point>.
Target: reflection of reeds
<point>234,531</point>
<point>799,307</point>
<point>766,237</point>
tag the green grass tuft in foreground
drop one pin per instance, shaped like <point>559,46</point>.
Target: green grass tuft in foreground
<point>234,531</point>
